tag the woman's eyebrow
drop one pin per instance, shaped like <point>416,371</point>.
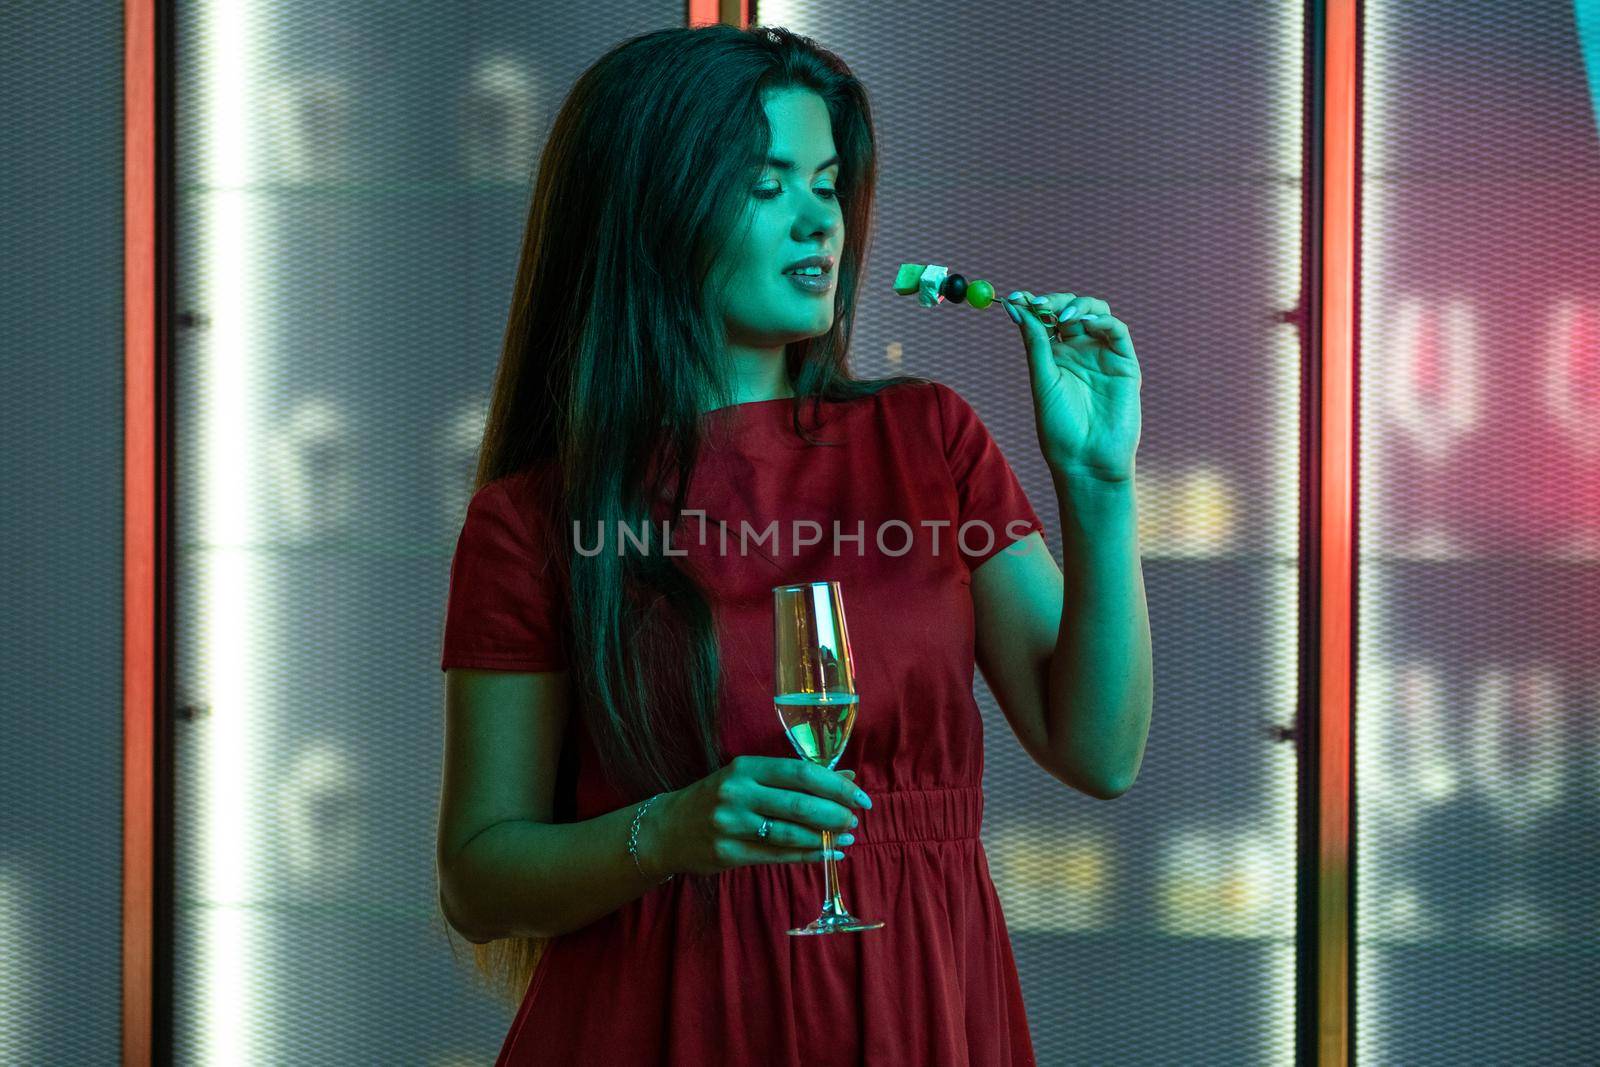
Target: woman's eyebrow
<point>788,164</point>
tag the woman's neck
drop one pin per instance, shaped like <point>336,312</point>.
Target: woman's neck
<point>750,393</point>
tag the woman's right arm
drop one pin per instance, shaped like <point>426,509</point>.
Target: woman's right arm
<point>506,870</point>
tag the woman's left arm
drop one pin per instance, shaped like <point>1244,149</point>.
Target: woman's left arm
<point>1068,655</point>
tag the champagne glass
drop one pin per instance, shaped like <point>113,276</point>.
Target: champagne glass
<point>815,694</point>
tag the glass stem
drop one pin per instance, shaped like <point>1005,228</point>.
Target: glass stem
<point>833,903</point>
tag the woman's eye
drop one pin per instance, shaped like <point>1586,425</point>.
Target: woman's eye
<point>770,194</point>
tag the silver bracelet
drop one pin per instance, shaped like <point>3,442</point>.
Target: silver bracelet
<point>633,838</point>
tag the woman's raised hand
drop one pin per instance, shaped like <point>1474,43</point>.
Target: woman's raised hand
<point>712,825</point>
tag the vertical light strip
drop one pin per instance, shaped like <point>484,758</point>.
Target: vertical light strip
<point>1384,761</point>
<point>1336,536</point>
<point>227,486</point>
<point>139,510</point>
<point>1273,867</point>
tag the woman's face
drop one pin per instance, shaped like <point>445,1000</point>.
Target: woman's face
<point>791,212</point>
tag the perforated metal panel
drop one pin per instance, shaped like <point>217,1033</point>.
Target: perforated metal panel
<point>61,423</point>
<point>353,180</point>
<point>1147,154</point>
<point>332,369</point>
<point>1479,606</point>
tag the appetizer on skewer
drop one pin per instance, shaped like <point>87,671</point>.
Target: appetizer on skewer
<point>932,284</point>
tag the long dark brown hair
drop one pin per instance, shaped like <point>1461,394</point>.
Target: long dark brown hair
<point>612,349</point>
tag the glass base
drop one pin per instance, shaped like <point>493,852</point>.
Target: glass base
<point>835,917</point>
<point>837,924</point>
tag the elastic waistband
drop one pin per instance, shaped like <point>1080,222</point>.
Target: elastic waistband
<point>921,815</point>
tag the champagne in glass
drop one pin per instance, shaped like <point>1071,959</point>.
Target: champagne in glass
<point>818,724</point>
<point>815,697</point>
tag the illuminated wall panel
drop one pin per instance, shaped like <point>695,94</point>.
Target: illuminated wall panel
<point>1477,756</point>
<point>1148,154</point>
<point>352,183</point>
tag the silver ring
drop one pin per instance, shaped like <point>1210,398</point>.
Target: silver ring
<point>766,824</point>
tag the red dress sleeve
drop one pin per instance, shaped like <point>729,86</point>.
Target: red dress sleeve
<point>987,489</point>
<point>506,608</point>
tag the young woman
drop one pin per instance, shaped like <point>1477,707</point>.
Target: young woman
<point>662,372</point>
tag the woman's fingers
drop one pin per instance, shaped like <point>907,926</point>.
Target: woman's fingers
<point>801,809</point>
<point>797,800</point>
<point>782,834</point>
<point>788,840</point>
<point>768,854</point>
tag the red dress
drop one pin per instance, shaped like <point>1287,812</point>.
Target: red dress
<point>938,984</point>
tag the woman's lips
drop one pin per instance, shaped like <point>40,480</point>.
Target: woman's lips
<point>820,283</point>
